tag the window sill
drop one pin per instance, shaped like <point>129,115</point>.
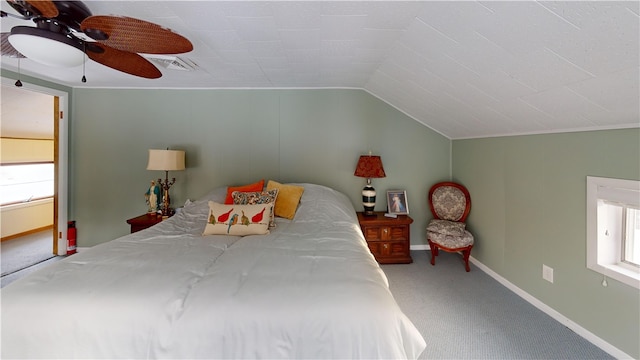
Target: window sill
<point>25,204</point>
<point>618,272</point>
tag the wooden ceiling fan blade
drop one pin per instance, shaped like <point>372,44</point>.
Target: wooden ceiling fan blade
<point>135,35</point>
<point>46,8</point>
<point>128,62</point>
<point>8,49</point>
<point>29,9</point>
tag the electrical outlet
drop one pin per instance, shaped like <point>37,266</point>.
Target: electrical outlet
<point>547,273</point>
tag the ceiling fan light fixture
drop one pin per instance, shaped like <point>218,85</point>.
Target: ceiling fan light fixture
<point>46,47</point>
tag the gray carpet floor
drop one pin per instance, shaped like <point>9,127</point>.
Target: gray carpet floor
<point>25,254</point>
<point>22,252</point>
<point>472,316</point>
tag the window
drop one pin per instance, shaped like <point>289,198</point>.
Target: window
<point>25,182</point>
<point>631,253</point>
<point>613,228</point>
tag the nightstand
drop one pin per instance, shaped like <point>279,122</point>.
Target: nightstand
<point>388,238</point>
<point>144,221</point>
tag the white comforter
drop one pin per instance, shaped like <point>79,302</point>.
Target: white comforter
<point>310,289</point>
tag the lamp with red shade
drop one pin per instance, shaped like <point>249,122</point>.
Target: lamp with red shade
<point>369,166</point>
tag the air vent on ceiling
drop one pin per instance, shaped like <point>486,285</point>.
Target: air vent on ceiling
<point>172,62</point>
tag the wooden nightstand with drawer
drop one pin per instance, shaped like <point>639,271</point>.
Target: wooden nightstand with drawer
<point>144,221</point>
<point>388,238</point>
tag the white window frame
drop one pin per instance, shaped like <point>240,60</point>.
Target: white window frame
<point>601,245</point>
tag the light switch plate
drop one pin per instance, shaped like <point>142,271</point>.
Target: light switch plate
<point>547,273</point>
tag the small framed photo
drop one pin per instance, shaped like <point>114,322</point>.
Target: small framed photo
<point>397,202</point>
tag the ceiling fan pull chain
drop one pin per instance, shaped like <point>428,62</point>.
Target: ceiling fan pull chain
<point>18,82</point>
<point>84,61</point>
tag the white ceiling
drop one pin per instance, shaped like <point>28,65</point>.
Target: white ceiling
<point>464,68</point>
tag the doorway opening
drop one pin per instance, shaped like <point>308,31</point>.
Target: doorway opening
<point>33,191</point>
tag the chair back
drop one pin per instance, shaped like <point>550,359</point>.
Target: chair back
<point>449,201</point>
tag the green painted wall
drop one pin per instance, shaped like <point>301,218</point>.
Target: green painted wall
<point>528,195</point>
<point>528,191</point>
<point>234,137</point>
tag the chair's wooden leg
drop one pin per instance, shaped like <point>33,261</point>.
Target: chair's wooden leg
<point>434,252</point>
<point>465,256</point>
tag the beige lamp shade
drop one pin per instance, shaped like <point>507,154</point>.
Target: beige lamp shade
<point>166,160</point>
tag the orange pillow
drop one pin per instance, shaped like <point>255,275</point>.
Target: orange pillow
<point>244,188</point>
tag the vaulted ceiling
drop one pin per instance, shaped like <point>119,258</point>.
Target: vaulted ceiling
<point>463,68</point>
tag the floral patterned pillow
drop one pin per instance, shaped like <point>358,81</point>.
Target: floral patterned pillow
<point>446,227</point>
<point>257,197</point>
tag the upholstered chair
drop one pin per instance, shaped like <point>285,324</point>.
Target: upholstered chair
<point>450,204</point>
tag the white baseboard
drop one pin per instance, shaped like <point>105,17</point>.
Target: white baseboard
<point>588,335</point>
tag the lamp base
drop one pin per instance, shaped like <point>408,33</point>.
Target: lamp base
<point>168,212</point>
<point>368,199</point>
<point>166,199</point>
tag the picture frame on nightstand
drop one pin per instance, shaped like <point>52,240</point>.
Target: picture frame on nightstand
<point>397,203</point>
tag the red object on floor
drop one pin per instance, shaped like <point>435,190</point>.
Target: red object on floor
<point>71,237</point>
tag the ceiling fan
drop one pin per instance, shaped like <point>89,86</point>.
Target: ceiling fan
<point>67,30</point>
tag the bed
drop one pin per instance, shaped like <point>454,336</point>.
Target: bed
<point>309,288</point>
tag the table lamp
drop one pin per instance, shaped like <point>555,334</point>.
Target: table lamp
<point>369,166</point>
<point>166,160</point>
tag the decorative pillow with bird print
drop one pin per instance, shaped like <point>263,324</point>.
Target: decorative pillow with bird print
<point>238,220</point>
<point>257,197</point>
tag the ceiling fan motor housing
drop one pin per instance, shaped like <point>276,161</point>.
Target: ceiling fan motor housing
<point>72,13</point>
